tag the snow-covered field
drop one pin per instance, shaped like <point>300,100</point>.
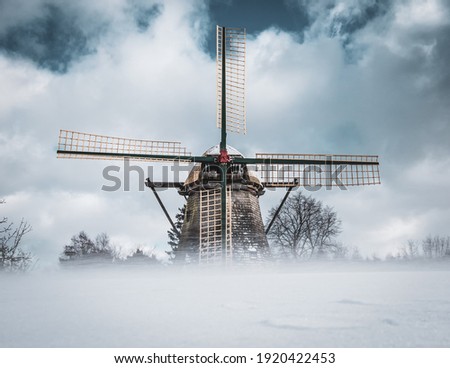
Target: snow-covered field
<point>309,305</point>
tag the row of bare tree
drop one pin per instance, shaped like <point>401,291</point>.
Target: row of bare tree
<point>431,247</point>
<point>82,246</point>
<point>82,250</point>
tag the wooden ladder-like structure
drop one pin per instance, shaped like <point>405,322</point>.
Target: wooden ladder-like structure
<point>210,249</point>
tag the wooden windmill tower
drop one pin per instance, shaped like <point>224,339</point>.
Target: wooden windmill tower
<point>223,220</point>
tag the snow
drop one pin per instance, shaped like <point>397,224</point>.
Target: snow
<point>307,305</point>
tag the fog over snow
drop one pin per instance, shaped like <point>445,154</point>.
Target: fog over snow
<point>329,76</point>
<point>316,305</point>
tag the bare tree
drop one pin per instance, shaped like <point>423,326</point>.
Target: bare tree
<point>287,232</point>
<point>102,244</point>
<point>340,251</point>
<point>410,250</point>
<point>12,256</point>
<point>304,228</point>
<point>356,254</point>
<point>4,219</point>
<point>436,247</point>
<point>322,227</point>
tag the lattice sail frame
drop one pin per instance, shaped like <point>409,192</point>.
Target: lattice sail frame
<point>78,145</point>
<point>321,170</point>
<point>210,246</point>
<point>235,47</point>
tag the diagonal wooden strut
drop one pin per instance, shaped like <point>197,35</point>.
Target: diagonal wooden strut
<point>279,208</point>
<point>151,185</point>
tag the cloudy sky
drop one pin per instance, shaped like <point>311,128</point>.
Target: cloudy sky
<point>328,76</point>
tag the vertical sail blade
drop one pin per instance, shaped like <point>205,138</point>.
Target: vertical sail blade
<point>210,247</point>
<point>233,88</point>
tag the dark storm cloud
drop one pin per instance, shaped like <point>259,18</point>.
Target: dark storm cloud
<point>343,19</point>
<point>400,79</point>
<point>58,35</point>
<point>346,26</point>
<point>256,16</point>
<point>413,87</point>
<point>53,40</point>
<point>297,17</point>
<point>343,25</point>
<point>144,14</point>
<point>439,63</point>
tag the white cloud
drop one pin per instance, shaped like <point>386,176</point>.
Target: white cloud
<point>20,82</point>
<point>421,13</point>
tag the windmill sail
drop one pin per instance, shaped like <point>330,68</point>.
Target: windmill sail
<point>309,170</point>
<point>231,46</point>
<point>210,247</point>
<point>101,147</point>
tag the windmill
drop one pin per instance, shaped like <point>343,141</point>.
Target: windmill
<point>222,189</point>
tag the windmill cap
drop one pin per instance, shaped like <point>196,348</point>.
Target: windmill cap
<point>194,174</point>
<point>215,151</point>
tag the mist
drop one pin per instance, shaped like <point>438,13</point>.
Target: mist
<point>312,304</point>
